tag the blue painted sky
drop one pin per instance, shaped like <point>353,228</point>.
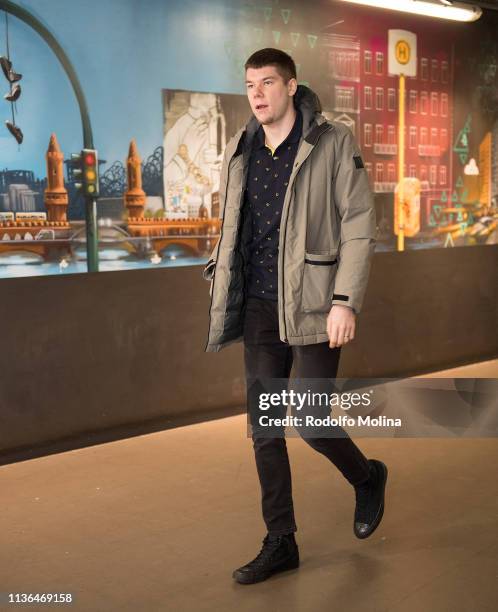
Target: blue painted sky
<point>124,52</point>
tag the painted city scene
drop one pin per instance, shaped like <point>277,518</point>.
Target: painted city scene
<point>160,153</point>
<point>43,225</point>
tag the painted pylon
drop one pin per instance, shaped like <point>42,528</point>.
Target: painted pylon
<point>134,195</point>
<point>55,195</point>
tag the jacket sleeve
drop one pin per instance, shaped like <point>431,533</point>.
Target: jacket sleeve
<point>208,271</point>
<point>354,202</point>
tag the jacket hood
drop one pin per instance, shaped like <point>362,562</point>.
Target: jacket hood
<point>306,98</point>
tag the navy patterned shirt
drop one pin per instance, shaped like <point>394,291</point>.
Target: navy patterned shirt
<point>267,181</point>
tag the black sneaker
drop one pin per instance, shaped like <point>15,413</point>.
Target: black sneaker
<point>370,500</point>
<point>279,553</point>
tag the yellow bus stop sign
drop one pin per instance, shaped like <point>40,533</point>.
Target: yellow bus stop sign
<point>402,52</point>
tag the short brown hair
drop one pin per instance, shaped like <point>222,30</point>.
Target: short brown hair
<point>273,57</point>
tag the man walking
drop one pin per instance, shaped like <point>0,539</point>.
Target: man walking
<point>288,277</point>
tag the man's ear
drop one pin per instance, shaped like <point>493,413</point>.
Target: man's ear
<point>292,87</point>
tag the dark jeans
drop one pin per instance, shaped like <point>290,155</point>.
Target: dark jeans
<point>266,356</point>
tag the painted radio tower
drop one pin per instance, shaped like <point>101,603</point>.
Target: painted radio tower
<point>55,196</point>
<point>134,195</point>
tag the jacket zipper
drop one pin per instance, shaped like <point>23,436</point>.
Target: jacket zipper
<point>282,234</point>
<point>220,239</point>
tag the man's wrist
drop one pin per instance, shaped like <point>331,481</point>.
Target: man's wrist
<point>344,306</point>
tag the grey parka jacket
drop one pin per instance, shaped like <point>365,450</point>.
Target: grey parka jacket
<point>326,239</point>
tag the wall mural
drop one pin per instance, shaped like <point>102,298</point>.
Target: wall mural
<point>160,206</point>
<point>197,126</point>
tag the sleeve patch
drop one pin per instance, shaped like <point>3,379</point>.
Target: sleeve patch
<point>358,162</point>
<point>338,296</point>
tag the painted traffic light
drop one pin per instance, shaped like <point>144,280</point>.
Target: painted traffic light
<point>86,172</point>
<point>90,176</point>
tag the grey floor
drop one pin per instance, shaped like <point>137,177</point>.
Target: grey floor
<point>158,522</point>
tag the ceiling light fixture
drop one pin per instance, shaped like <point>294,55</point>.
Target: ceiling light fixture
<point>456,11</point>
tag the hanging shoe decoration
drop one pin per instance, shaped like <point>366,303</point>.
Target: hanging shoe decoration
<point>14,93</point>
<point>15,131</point>
<point>10,75</point>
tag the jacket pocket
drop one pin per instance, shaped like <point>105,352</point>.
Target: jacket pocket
<point>318,281</point>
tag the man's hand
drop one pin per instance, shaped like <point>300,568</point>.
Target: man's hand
<point>341,324</point>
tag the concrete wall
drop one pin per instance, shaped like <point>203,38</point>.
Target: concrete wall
<point>92,357</point>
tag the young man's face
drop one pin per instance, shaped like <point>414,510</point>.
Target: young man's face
<point>268,95</point>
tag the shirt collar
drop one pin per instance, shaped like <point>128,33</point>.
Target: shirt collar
<point>293,136</point>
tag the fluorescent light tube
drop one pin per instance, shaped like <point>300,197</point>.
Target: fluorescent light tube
<point>458,11</point>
